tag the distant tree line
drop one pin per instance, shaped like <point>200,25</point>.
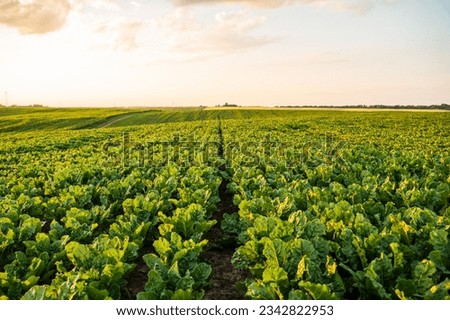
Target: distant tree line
<point>228,105</point>
<point>443,106</point>
<point>27,106</point>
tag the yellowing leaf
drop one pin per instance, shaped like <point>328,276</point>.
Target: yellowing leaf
<point>301,268</point>
<point>331,266</point>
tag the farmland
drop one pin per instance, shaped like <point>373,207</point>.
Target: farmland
<point>173,203</point>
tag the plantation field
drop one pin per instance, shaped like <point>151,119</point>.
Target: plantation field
<point>224,203</point>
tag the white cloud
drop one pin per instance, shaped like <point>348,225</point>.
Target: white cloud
<point>180,21</point>
<point>44,16</point>
<point>136,4</point>
<point>110,5</point>
<point>31,17</point>
<point>266,3</point>
<point>122,32</point>
<point>233,31</point>
<point>357,6</point>
<point>230,32</point>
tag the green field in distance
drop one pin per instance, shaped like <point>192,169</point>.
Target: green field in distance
<point>224,203</point>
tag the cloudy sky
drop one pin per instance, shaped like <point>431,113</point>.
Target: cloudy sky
<point>208,52</point>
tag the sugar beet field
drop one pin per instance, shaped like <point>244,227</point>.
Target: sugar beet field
<point>224,203</point>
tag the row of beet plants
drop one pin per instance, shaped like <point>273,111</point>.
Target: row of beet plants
<point>176,269</point>
<point>367,227</point>
<point>74,229</point>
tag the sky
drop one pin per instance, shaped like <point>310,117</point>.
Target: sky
<point>210,52</point>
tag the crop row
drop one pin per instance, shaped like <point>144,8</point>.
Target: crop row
<point>352,211</point>
<point>371,224</point>
<point>73,228</point>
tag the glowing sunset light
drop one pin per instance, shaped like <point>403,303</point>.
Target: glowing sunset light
<point>198,52</point>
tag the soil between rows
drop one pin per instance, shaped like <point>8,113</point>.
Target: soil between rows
<point>225,278</point>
